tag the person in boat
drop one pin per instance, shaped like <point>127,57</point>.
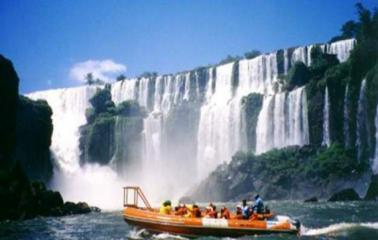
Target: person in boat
<point>245,209</point>
<point>166,207</point>
<point>211,211</point>
<point>258,206</point>
<point>225,213</point>
<point>239,212</point>
<point>181,210</point>
<point>196,211</point>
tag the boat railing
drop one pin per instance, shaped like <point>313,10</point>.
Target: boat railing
<point>131,195</point>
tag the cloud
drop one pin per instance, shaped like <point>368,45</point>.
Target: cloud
<point>105,70</point>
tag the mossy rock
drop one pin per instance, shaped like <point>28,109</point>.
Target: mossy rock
<point>345,195</point>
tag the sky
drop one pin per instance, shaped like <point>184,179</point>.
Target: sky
<point>53,44</point>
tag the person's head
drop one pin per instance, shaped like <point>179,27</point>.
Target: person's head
<point>223,209</point>
<point>257,196</point>
<point>167,203</point>
<point>238,208</point>
<point>244,202</point>
<point>214,208</point>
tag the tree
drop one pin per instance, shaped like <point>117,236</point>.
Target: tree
<point>121,77</point>
<point>252,54</point>
<point>89,79</point>
<point>229,59</point>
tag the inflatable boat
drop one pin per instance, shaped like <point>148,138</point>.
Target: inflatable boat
<point>150,219</point>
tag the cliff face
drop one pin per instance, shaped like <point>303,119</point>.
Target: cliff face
<point>25,128</point>
<point>112,133</point>
<point>8,105</point>
<point>289,173</point>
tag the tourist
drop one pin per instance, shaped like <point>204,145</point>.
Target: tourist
<point>258,206</point>
<point>224,213</point>
<point>245,210</point>
<point>166,207</point>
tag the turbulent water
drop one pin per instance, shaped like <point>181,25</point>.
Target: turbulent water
<point>194,123</point>
<point>343,220</point>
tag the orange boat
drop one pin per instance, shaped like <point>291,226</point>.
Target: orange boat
<point>148,218</point>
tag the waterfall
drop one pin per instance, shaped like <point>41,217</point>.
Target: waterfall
<point>341,48</point>
<point>326,138</point>
<point>283,121</point>
<point>69,106</point>
<point>194,122</point>
<point>216,140</point>
<point>361,119</point>
<point>299,54</point>
<point>124,90</point>
<point>375,160</point>
<point>346,117</point>
<point>76,183</point>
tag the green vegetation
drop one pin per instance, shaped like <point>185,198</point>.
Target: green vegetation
<point>229,59</point>
<point>252,54</point>
<point>289,173</point>
<point>89,80</point>
<point>103,121</point>
<point>148,75</point>
<point>121,78</point>
<point>297,76</point>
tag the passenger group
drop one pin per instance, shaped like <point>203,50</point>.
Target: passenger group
<point>244,211</point>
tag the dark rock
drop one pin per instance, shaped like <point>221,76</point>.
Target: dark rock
<point>8,102</point>
<point>345,195</point>
<point>34,131</point>
<point>76,208</point>
<point>313,199</point>
<point>297,76</point>
<point>372,193</point>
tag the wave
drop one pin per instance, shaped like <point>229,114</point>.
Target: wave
<point>139,234</point>
<point>336,228</point>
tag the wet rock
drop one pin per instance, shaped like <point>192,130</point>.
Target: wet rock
<point>348,194</point>
<point>312,199</point>
<point>372,193</point>
<point>76,208</point>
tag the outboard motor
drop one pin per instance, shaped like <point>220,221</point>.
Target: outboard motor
<point>297,224</point>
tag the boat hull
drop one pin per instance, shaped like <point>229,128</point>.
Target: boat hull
<point>194,227</point>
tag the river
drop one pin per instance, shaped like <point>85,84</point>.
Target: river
<point>323,220</point>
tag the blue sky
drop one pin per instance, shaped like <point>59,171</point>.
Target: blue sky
<point>50,42</point>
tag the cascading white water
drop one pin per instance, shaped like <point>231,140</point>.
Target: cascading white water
<point>216,138</point>
<point>218,132</point>
<point>341,48</point>
<point>326,138</point>
<point>76,183</point>
<point>299,54</point>
<point>375,160</point>
<point>361,118</point>
<point>282,121</point>
<point>346,117</point>
<point>124,90</point>
<point>69,106</point>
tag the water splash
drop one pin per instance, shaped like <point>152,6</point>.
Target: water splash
<point>334,229</point>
